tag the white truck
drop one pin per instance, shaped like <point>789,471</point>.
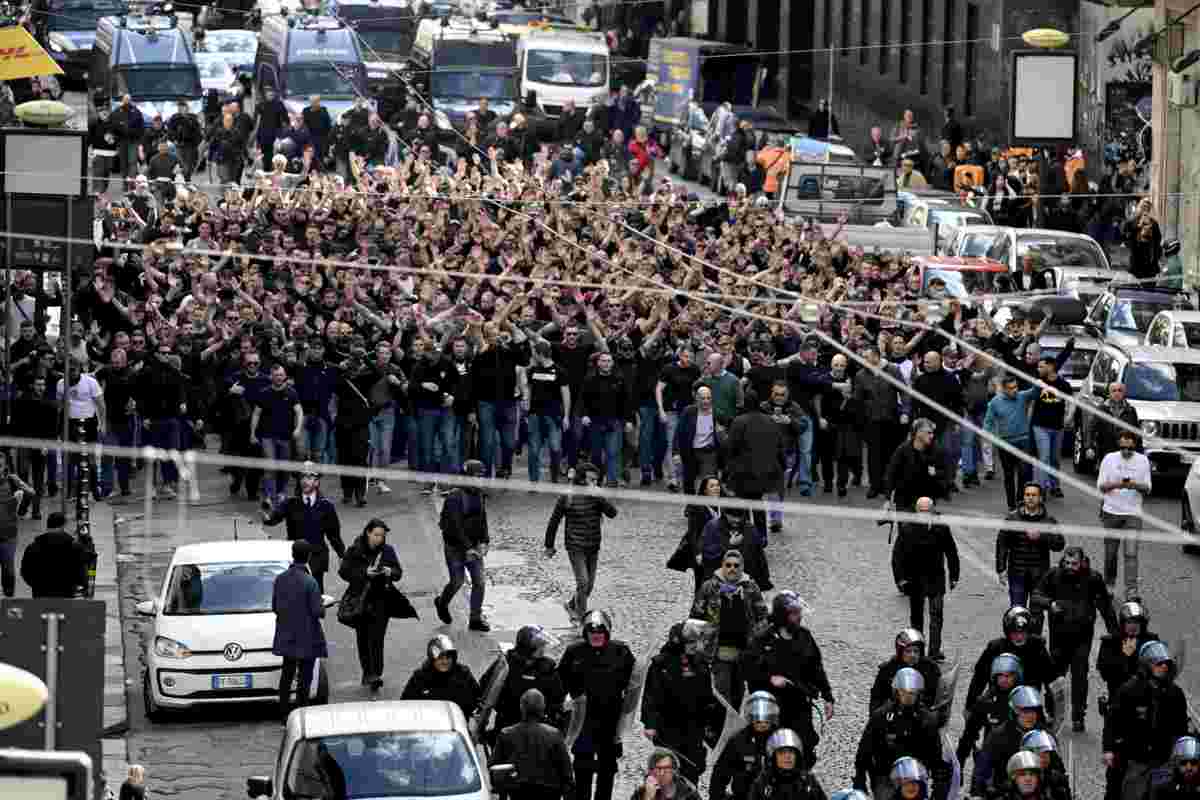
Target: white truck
<point>560,63</point>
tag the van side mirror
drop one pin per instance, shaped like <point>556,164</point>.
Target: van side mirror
<point>531,99</point>
<point>259,786</point>
<point>147,608</point>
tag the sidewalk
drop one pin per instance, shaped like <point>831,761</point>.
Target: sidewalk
<point>111,773</point>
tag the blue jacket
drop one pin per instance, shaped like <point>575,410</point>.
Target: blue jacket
<point>1009,419</point>
<point>296,602</point>
<point>315,385</point>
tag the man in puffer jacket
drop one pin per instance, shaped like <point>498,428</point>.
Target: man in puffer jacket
<point>1024,556</point>
<point>584,515</point>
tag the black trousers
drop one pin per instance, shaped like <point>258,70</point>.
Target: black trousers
<point>605,772</point>
<point>1016,473</point>
<point>1069,653</point>
<point>799,719</point>
<point>353,446</point>
<point>882,440</point>
<point>300,671</point>
<point>937,612</point>
<point>824,442</point>
<point>369,636</point>
<point>240,445</point>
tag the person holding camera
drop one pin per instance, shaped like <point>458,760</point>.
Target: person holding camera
<point>370,566</point>
<point>1124,479</point>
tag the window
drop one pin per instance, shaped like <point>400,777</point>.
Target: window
<point>1163,381</point>
<point>864,24</point>
<point>926,47</point>
<point>1100,374</point>
<point>948,53</point>
<point>905,37</point>
<point>970,57</point>
<point>400,764</point>
<point>1157,335</point>
<point>885,34</point>
<point>231,588</point>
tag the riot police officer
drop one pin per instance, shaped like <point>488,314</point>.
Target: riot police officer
<point>785,776</point>
<point>1184,783</point>
<point>900,727</point>
<point>679,710</point>
<point>910,652</point>
<point>524,667</point>
<point>1026,778</point>
<point>1056,785</point>
<point>744,755</point>
<point>786,661</point>
<point>599,668</point>
<point>991,709</point>
<point>443,677</point>
<point>1117,662</point>
<point>910,780</point>
<point>1019,640</point>
<point>1146,718</point>
<point>537,751</point>
<point>1026,713</point>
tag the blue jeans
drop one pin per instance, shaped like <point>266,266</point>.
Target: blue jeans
<point>497,420</point>
<point>1020,588</point>
<point>650,453</point>
<point>573,440</point>
<point>275,481</point>
<point>804,460</point>
<point>431,428</point>
<point>329,454</point>
<point>607,437</point>
<point>120,435</point>
<point>950,443</point>
<point>382,426</point>
<point>164,433</point>
<point>1049,444</point>
<point>547,430</point>
<point>316,435</point>
<point>676,474</point>
<point>971,452</point>
<point>458,566</point>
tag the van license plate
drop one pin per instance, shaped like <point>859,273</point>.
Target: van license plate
<point>231,681</point>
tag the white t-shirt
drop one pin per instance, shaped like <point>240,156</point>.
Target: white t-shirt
<point>83,396</point>
<point>1113,469</point>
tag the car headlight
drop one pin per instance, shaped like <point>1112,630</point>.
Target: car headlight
<point>169,648</point>
<point>1150,428</point>
<point>443,121</point>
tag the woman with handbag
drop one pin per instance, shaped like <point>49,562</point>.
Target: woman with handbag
<point>370,566</point>
<point>687,554</point>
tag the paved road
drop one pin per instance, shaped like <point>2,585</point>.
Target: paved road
<point>840,567</point>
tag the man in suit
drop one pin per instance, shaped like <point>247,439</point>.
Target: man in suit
<point>311,517</point>
<point>698,439</point>
<point>296,602</point>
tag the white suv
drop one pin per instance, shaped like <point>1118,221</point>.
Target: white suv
<point>1163,386</point>
<point>213,628</point>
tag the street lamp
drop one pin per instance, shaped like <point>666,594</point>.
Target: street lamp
<point>1046,38</point>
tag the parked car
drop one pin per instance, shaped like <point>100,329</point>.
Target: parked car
<point>1052,248</point>
<point>1124,312</point>
<point>1174,329</point>
<point>1085,283</point>
<point>382,749</point>
<point>944,211</point>
<point>1163,385</point>
<point>765,120</point>
<point>213,628</point>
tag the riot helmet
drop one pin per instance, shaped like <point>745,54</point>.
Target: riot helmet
<point>848,794</point>
<point>910,646</point>
<point>596,622</point>
<point>441,645</point>
<point>909,770</point>
<point>1006,664</point>
<point>1153,656</point>
<point>778,746</point>
<point>1185,758</point>
<point>1131,613</point>
<point>762,711</point>
<point>531,641</point>
<point>1023,701</point>
<point>1042,743</point>
<point>1018,624</point>
<point>1025,771</point>
<point>787,610</point>
<point>907,686</point>
<point>472,468</point>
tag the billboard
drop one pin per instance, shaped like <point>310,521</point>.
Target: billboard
<point>1043,98</point>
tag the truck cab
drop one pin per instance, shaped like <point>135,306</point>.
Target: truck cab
<point>300,56</point>
<point>148,58</point>
<point>559,64</point>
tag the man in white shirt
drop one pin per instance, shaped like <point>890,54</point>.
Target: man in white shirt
<point>1124,479</point>
<point>85,407</point>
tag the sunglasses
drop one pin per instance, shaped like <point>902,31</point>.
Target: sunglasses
<point>733,564</point>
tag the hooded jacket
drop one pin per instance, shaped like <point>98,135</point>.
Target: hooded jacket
<point>1079,595</point>
<point>1018,554</point>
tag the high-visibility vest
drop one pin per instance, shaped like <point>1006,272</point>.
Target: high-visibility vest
<point>970,174</point>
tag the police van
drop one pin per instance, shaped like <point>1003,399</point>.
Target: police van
<point>385,30</point>
<point>300,56</point>
<point>559,64</point>
<point>455,61</point>
<point>148,58</point>
<point>67,29</point>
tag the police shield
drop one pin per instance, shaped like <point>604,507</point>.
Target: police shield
<point>632,702</point>
<point>1058,693</point>
<point>943,699</point>
<point>578,715</point>
<point>734,720</point>
<point>955,769</point>
<point>491,696</point>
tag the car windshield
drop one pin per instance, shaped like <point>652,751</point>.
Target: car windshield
<point>376,41</point>
<point>1187,334</point>
<point>331,81</point>
<point>1060,252</point>
<point>75,15</point>
<point>566,68</point>
<point>1134,315</point>
<point>150,83</point>
<point>214,66</point>
<point>958,218</point>
<point>1163,381</point>
<point>230,42</point>
<point>976,245</point>
<point>472,70</point>
<point>226,588</point>
<point>408,764</point>
<point>952,278</point>
<point>1077,366</point>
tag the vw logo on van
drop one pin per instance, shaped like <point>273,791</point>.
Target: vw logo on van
<point>233,651</point>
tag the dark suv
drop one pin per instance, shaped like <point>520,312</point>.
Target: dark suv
<point>1123,313</point>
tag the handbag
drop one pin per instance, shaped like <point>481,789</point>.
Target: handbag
<point>352,607</point>
<point>682,559</point>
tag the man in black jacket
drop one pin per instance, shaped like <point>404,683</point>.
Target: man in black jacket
<point>910,652</point>
<point>584,515</point>
<point>53,564</point>
<point>538,752</point>
<point>901,727</point>
<point>884,412</point>
<point>927,551</point>
<point>744,755</point>
<point>915,470</point>
<point>1102,434</point>
<point>1117,663</point>
<point>1023,556</point>
<point>1073,593</point>
<point>754,455</point>
<point>162,400</point>
<point>944,388</point>
<point>313,518</point>
<point>465,540</point>
<point>185,131</point>
<point>604,409</point>
<point>271,118</point>
<point>1020,641</point>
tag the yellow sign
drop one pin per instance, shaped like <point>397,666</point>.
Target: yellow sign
<point>22,57</point>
